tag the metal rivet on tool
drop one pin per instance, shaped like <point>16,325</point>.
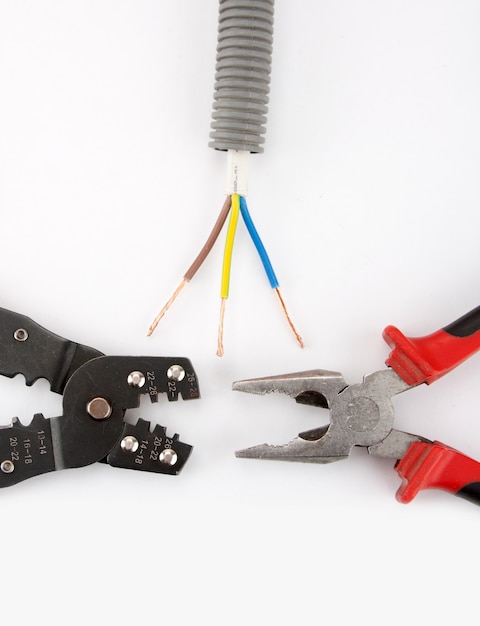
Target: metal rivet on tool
<point>21,334</point>
<point>136,379</point>
<point>168,456</point>
<point>99,408</point>
<point>176,372</point>
<point>7,467</point>
<point>129,444</point>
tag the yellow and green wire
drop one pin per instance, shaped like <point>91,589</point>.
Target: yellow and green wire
<point>227,266</point>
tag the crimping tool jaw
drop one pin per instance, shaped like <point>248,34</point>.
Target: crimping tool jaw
<point>97,391</point>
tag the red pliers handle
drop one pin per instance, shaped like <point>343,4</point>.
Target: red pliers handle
<point>425,359</point>
<point>433,465</point>
<point>437,466</point>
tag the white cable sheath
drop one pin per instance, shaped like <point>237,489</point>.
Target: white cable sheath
<point>238,166</point>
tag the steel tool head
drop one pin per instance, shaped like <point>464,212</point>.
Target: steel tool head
<point>316,387</point>
<point>360,415</point>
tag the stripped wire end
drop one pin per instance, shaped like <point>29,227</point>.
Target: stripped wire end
<point>154,324</point>
<point>198,261</point>
<point>288,318</point>
<point>267,265</point>
<point>220,350</point>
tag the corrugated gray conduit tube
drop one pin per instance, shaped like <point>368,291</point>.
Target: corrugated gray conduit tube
<point>242,79</point>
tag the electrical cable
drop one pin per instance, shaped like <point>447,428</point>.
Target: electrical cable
<point>239,116</point>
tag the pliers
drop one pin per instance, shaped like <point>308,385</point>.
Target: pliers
<point>97,390</point>
<point>363,415</point>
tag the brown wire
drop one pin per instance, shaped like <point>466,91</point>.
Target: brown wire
<point>212,238</point>
<point>198,262</point>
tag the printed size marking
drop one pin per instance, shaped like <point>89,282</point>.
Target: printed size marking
<point>192,380</point>
<point>152,388</point>
<point>41,440</point>
<point>140,458</point>
<point>26,449</point>
<point>145,450</point>
<point>15,455</point>
<point>235,179</point>
<point>157,442</point>
<point>27,444</point>
<point>159,445</point>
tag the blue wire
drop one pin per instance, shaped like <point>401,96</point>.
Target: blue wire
<point>258,243</point>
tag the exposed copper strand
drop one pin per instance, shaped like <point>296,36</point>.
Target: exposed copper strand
<point>197,263</point>
<point>154,324</point>
<point>290,323</point>
<point>220,351</point>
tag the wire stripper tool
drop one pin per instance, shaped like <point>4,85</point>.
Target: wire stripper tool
<point>97,390</point>
<point>363,415</point>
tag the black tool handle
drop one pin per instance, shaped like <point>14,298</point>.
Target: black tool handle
<point>29,349</point>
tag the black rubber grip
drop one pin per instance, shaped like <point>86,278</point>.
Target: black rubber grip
<point>466,325</point>
<point>470,492</point>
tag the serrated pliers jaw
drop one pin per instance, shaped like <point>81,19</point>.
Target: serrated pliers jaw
<point>360,415</point>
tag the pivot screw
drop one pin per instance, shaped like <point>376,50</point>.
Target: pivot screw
<point>168,456</point>
<point>99,408</point>
<point>7,467</point>
<point>129,444</point>
<point>136,379</point>
<point>176,372</point>
<point>20,334</point>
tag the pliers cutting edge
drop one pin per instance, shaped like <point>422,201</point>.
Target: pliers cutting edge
<point>97,391</point>
<point>363,415</point>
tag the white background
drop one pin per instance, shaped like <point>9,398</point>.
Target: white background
<point>367,199</point>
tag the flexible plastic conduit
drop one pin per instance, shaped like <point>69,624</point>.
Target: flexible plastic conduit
<point>242,79</point>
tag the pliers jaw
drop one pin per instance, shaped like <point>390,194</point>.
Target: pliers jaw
<point>315,387</point>
<point>304,448</point>
<point>360,415</point>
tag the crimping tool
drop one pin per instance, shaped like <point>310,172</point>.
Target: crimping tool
<point>363,415</point>
<point>97,390</point>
